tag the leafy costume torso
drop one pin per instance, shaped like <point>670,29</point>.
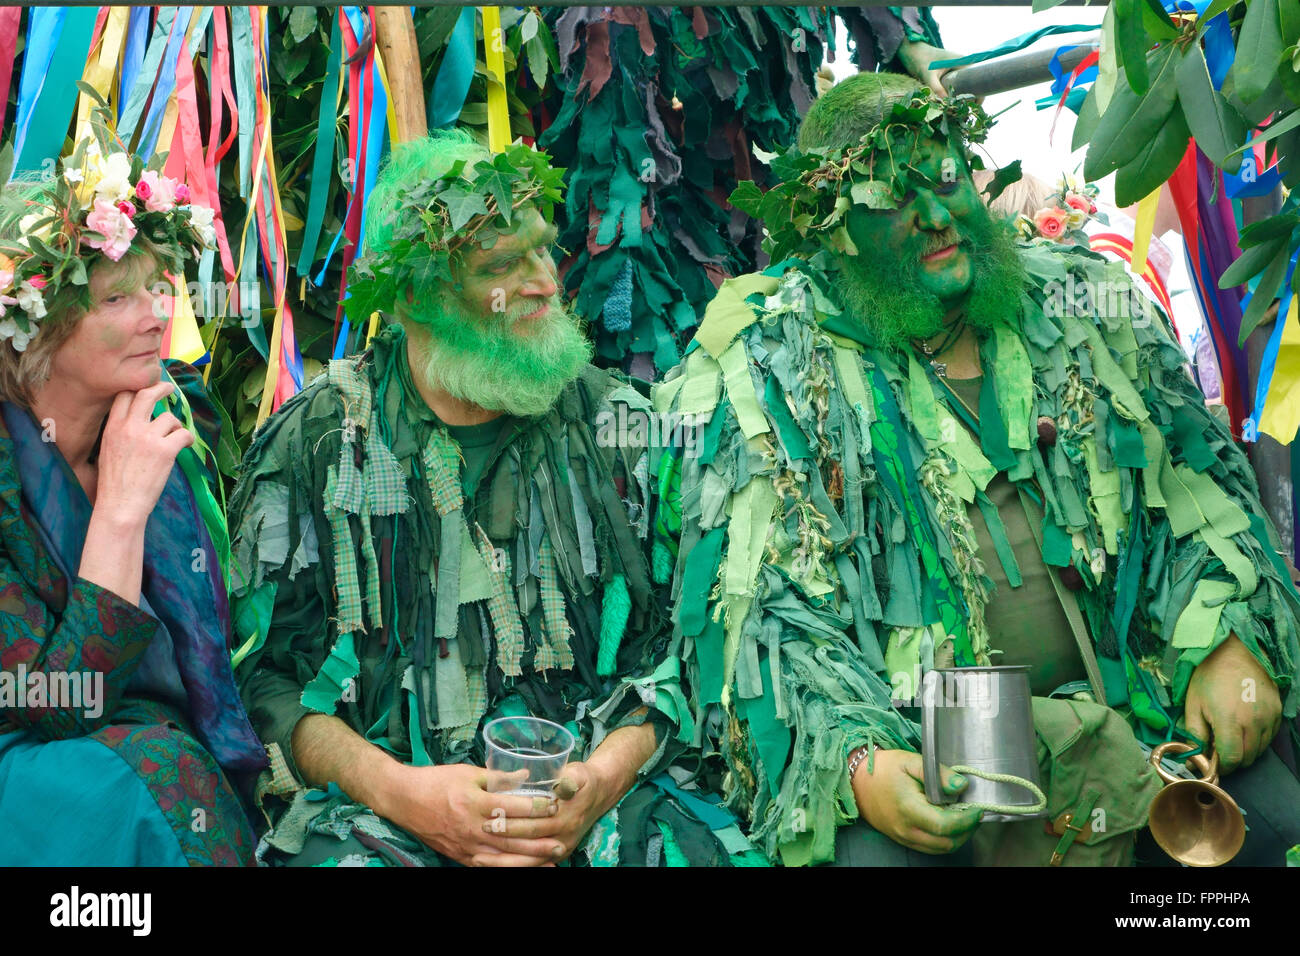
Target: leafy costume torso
<point>353,520</point>
<point>826,552</point>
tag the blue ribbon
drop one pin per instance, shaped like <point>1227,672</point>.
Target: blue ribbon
<point>451,85</point>
<point>44,25</point>
<point>166,82</point>
<point>1249,181</point>
<point>1219,51</point>
<point>1073,101</point>
<point>137,37</point>
<point>1062,75</point>
<point>1269,358</point>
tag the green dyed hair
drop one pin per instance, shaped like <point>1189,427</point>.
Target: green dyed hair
<point>434,197</point>
<point>840,117</point>
<point>411,163</point>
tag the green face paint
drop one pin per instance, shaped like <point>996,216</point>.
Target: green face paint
<point>501,361</point>
<point>928,233</point>
<point>938,250</point>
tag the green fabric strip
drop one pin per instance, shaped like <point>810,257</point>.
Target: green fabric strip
<point>729,313</point>
<point>323,691</point>
<point>701,571</point>
<point>998,532</point>
<point>741,391</point>
<point>1015,387</point>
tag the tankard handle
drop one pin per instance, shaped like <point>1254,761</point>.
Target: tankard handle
<point>929,744</point>
<point>1206,764</point>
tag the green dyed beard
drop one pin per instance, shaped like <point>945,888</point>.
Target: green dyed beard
<point>883,292</point>
<point>483,360</point>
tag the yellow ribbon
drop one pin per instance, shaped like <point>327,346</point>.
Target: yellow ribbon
<point>1281,416</point>
<point>1145,222</point>
<point>101,70</point>
<point>494,43</point>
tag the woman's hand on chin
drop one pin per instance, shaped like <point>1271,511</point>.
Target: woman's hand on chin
<point>136,454</point>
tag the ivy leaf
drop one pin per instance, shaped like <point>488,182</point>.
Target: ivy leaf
<point>1003,178</point>
<point>498,184</point>
<point>874,194</point>
<point>746,197</point>
<point>841,243</point>
<point>1216,126</point>
<point>462,205</point>
<point>1259,47</point>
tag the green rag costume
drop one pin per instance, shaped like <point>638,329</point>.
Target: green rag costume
<point>376,580</point>
<point>827,555</point>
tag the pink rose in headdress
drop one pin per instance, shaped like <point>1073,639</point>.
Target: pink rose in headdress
<point>39,282</point>
<point>1075,201</point>
<point>182,193</point>
<point>1050,222</point>
<point>114,225</point>
<point>158,193</point>
<point>125,208</point>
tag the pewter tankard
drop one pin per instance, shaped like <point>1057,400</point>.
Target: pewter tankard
<point>980,717</point>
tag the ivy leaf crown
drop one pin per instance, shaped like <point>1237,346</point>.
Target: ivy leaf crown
<point>437,219</point>
<point>804,212</point>
<point>101,201</point>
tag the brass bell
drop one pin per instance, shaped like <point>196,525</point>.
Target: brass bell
<point>1195,821</point>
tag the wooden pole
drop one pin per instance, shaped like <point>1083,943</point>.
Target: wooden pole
<point>395,35</point>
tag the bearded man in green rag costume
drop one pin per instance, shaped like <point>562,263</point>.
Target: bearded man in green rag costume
<point>432,536</point>
<point>917,454</point>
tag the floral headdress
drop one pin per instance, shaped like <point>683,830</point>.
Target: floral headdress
<point>1064,213</point>
<point>437,217</point>
<point>818,186</point>
<point>99,203</point>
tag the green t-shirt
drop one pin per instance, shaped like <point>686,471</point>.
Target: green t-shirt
<point>476,443</point>
<point>1026,623</point>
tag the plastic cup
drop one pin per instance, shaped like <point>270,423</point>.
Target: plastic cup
<point>526,755</point>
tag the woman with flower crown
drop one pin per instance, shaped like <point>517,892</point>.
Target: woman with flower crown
<point>120,727</point>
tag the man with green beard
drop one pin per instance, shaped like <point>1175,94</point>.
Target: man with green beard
<point>919,454</point>
<point>431,536</point>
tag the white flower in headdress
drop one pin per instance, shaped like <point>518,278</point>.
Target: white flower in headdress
<point>201,219</point>
<point>9,330</point>
<point>114,178</point>
<point>30,300</point>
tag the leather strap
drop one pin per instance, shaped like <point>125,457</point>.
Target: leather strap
<point>1074,832</point>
